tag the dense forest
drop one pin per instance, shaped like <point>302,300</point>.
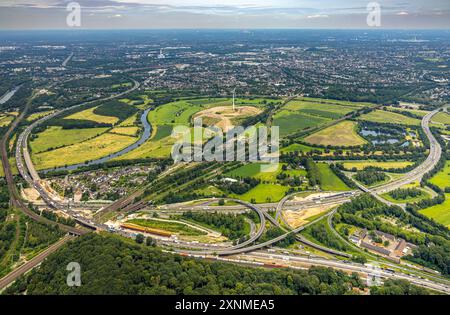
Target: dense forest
<point>405,193</point>
<point>112,266</point>
<point>117,109</point>
<point>370,176</point>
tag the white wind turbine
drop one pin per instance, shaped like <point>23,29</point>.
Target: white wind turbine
<point>234,97</point>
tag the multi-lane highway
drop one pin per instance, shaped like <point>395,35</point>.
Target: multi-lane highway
<point>417,173</point>
<point>26,167</point>
<point>15,198</point>
<point>287,260</point>
<point>28,172</point>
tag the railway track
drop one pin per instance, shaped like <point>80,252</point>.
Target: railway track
<point>34,262</point>
<point>15,198</point>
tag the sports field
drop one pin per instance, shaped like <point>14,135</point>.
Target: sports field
<point>329,181</point>
<point>359,165</point>
<point>380,116</point>
<point>55,137</point>
<point>92,149</point>
<point>89,114</point>
<point>341,134</point>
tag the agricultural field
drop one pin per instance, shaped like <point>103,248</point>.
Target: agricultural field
<point>165,117</point>
<point>5,120</point>
<point>39,115</point>
<point>178,113</point>
<point>55,137</point>
<point>298,147</point>
<point>247,170</point>
<point>150,149</point>
<point>254,170</point>
<point>417,112</point>
<point>360,165</point>
<point>92,149</point>
<point>441,118</point>
<point>329,181</point>
<point>342,134</point>
<point>127,131</point>
<point>380,116</point>
<point>317,108</point>
<point>89,114</point>
<point>130,121</point>
<point>294,173</point>
<point>442,178</point>
<point>161,132</point>
<point>269,190</point>
<point>440,213</point>
<point>291,122</point>
<point>301,115</point>
<point>209,191</point>
<point>141,102</point>
<point>263,193</point>
<point>338,102</point>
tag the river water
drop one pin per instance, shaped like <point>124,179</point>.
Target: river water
<point>145,136</point>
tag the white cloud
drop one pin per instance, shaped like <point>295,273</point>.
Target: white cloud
<point>317,16</point>
<point>403,13</point>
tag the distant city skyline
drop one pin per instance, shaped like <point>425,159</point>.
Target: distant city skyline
<point>239,14</point>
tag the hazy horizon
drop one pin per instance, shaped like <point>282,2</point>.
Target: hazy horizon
<point>214,14</point>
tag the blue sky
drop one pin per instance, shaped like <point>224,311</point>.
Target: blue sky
<point>41,14</point>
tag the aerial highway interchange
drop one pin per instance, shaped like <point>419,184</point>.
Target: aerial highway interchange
<point>248,249</point>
